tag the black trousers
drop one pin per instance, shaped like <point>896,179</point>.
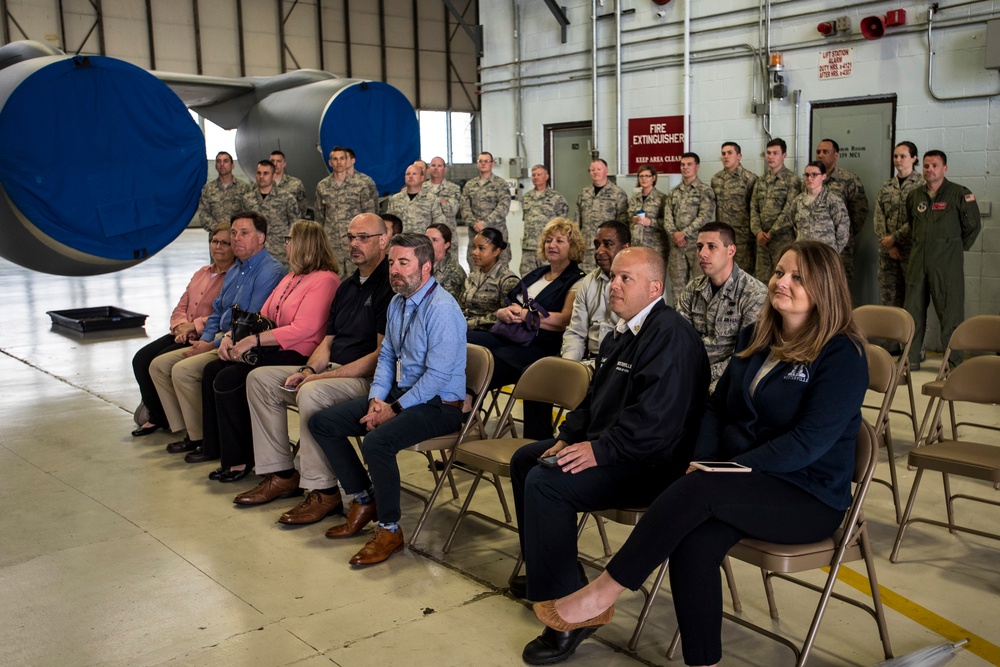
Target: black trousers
<point>695,522</point>
<point>225,409</point>
<point>547,500</point>
<point>140,368</point>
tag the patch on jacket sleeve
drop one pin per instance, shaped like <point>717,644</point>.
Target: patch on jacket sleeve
<point>799,372</point>
<point>970,197</point>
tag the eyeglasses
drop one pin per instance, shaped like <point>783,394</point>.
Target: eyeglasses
<point>812,174</point>
<point>484,161</point>
<point>360,237</point>
<point>217,242</point>
<point>288,239</point>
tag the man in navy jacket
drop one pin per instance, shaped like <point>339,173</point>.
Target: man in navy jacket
<point>631,437</point>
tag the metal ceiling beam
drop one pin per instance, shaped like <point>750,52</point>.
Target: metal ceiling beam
<point>475,32</point>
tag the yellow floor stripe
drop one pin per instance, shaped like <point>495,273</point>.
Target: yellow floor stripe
<point>983,648</point>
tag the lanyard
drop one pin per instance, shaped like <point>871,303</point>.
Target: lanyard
<point>402,316</point>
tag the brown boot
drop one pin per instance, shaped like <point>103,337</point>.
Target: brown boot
<point>382,545</point>
<point>358,517</point>
<point>316,507</point>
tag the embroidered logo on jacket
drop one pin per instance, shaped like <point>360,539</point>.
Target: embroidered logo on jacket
<point>623,367</point>
<point>799,372</point>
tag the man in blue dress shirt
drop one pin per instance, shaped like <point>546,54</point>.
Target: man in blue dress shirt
<point>417,394</point>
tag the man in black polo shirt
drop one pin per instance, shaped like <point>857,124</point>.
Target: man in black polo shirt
<point>339,370</point>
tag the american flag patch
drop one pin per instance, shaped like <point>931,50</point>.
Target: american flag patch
<point>970,197</point>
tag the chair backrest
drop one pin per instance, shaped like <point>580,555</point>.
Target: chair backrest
<point>478,368</point>
<point>881,369</point>
<point>976,380</point>
<point>865,460</point>
<point>885,322</point>
<point>555,380</point>
<point>980,333</point>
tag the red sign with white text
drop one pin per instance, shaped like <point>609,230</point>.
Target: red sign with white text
<point>658,142</point>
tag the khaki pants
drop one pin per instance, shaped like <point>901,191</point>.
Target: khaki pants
<point>269,419</point>
<point>178,384</point>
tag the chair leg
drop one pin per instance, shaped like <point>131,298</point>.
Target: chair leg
<point>674,645</point>
<point>906,516</point>
<point>772,605</point>
<point>887,438</point>
<point>503,499</point>
<point>517,566</point>
<point>954,422</point>
<point>821,608</point>
<point>463,512</point>
<point>644,614</point>
<point>913,404</point>
<point>601,528</point>
<point>727,569</point>
<point>947,502</point>
<point>883,629</point>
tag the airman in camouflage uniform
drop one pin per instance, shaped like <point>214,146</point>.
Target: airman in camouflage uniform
<point>339,198</point>
<point>223,196</point>
<point>822,217</point>
<point>648,231</point>
<point>895,242</point>
<point>485,203</point>
<point>722,302</point>
<point>848,185</point>
<point>288,183</point>
<point>540,204</point>
<point>484,293</point>
<point>600,203</point>
<point>689,206</point>
<point>733,187</point>
<point>770,208</point>
<point>277,206</point>
<point>448,194</point>
<point>450,274</point>
<point>415,205</point>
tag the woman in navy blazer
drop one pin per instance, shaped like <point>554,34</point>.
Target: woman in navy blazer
<point>788,407</point>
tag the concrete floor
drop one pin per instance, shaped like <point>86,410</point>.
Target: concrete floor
<point>113,552</point>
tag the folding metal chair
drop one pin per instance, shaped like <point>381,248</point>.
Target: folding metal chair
<point>896,326</point>
<point>882,378</point>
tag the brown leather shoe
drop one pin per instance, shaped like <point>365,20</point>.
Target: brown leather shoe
<point>382,545</point>
<point>272,487</point>
<point>316,507</point>
<point>358,517</point>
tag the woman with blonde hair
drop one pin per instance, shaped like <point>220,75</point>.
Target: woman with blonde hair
<point>789,408</point>
<point>551,287</point>
<point>299,306</point>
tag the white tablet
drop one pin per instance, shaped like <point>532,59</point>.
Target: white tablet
<point>719,466</point>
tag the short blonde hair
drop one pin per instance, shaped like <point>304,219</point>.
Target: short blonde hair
<point>825,282</point>
<point>310,249</point>
<point>570,230</point>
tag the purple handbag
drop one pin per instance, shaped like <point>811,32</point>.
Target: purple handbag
<point>522,333</point>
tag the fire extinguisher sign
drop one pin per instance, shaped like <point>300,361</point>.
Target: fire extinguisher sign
<point>836,63</point>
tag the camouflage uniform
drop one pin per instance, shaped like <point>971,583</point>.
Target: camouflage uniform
<point>281,210</point>
<point>653,236</point>
<point>488,201</point>
<point>890,217</point>
<point>337,203</point>
<point>770,211</point>
<point>418,213</point>
<point>450,274</point>
<point>611,203</point>
<point>688,207</point>
<point>450,197</point>
<point>720,316</point>
<point>484,295</point>
<point>294,186</point>
<point>539,209</point>
<point>218,202</point>
<point>732,206</point>
<point>825,219</point>
<point>848,186</point>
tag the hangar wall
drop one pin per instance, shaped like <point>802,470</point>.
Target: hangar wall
<point>556,86</point>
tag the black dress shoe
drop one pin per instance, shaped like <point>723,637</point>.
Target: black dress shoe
<point>553,646</point>
<point>145,430</point>
<point>215,473</point>
<point>227,476</point>
<point>518,586</point>
<point>198,455</point>
<point>182,446</point>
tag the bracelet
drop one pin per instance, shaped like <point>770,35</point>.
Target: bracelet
<point>302,369</point>
<point>258,339</point>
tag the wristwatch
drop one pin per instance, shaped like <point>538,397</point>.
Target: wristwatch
<point>300,369</point>
<point>396,407</point>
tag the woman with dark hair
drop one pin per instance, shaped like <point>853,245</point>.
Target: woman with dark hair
<point>788,407</point>
<point>488,282</point>
<point>819,214</point>
<point>299,306</point>
<point>186,324</point>
<point>891,227</point>
<point>551,287</point>
<point>647,228</point>
<point>447,271</point>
